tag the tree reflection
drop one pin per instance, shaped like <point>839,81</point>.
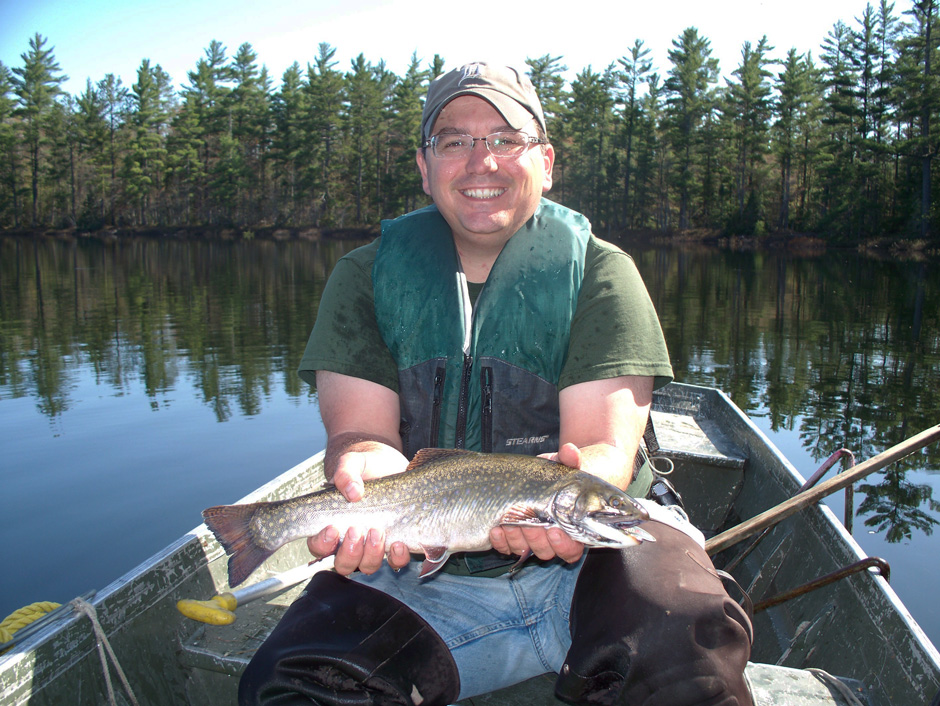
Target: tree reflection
<point>893,507</point>
<point>842,350</point>
<point>227,316</point>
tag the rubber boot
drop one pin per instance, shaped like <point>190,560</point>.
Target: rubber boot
<point>345,644</point>
<point>653,625</point>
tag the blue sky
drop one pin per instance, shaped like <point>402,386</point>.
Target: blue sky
<point>95,37</point>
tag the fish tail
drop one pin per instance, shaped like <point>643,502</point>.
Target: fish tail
<point>231,526</point>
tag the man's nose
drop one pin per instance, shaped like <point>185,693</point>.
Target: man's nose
<point>481,160</point>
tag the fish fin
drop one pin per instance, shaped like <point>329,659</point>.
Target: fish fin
<point>434,559</point>
<point>230,525</point>
<point>523,515</point>
<point>428,455</point>
<point>522,558</point>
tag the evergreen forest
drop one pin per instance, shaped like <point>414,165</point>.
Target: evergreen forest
<point>839,143</point>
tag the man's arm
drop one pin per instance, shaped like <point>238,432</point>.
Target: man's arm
<point>361,419</point>
<point>602,422</point>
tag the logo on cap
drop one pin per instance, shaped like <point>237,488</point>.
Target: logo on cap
<point>470,71</point>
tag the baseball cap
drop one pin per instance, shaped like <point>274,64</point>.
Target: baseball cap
<point>505,88</point>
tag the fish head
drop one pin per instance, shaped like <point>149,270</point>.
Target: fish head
<point>597,513</point>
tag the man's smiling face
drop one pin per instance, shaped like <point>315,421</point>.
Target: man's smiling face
<point>484,199</point>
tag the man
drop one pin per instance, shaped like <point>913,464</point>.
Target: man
<point>558,355</point>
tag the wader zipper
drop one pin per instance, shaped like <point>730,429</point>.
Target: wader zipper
<point>486,421</point>
<point>460,434</point>
<point>436,406</point>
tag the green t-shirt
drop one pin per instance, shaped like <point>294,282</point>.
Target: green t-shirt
<point>615,330</point>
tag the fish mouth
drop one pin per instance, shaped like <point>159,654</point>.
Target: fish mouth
<point>619,520</point>
<point>615,529</point>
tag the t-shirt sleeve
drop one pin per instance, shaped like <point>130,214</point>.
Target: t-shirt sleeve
<point>615,330</point>
<point>345,337</point>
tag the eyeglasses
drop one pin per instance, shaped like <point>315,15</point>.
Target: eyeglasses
<point>509,143</point>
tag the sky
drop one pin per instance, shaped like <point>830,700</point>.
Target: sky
<point>96,37</point>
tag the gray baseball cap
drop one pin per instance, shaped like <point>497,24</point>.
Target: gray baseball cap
<point>505,88</point>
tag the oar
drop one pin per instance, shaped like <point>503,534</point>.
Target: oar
<point>770,517</point>
<point>220,609</point>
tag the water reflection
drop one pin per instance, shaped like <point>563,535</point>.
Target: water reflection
<point>841,350</point>
<point>125,346</point>
<point>228,316</point>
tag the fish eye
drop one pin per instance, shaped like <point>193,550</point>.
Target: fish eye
<point>615,501</point>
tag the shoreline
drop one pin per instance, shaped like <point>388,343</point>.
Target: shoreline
<point>804,244</point>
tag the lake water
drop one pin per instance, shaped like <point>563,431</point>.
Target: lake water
<point>143,380</point>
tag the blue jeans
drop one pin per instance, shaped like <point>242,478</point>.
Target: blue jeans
<point>502,630</point>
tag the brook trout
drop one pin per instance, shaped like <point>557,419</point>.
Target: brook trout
<point>446,501</point>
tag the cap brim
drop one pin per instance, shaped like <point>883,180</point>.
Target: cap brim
<point>516,115</point>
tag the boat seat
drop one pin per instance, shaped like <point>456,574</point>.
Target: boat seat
<point>696,440</point>
<point>704,464</point>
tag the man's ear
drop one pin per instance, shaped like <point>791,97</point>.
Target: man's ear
<point>548,160</point>
<point>423,168</point>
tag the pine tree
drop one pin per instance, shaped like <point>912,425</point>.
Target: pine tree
<point>794,84</point>
<point>59,178</point>
<point>209,92</point>
<point>185,166</point>
<point>590,116</point>
<point>364,96</point>
<point>403,183</point>
<point>924,88</point>
<point>36,85</point>
<point>324,89</point>
<point>887,33</point>
<point>116,98</point>
<point>92,130</point>
<point>689,98</point>
<point>636,67</point>
<point>546,73</point>
<point>289,112</point>
<point>9,202</point>
<point>748,110</point>
<point>145,162</point>
<point>251,130</point>
<point>842,121</point>
<point>437,67</point>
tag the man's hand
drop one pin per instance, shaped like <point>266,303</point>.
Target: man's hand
<point>544,543</point>
<point>355,452</point>
<point>361,549</point>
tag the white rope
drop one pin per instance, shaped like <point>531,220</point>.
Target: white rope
<point>829,680</point>
<point>84,607</point>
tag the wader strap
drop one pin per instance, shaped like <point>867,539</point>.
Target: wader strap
<point>649,437</point>
<point>652,448</point>
<point>643,475</point>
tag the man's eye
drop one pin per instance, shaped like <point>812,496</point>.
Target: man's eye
<point>507,140</point>
<point>452,142</point>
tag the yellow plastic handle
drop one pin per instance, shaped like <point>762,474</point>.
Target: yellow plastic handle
<point>218,610</point>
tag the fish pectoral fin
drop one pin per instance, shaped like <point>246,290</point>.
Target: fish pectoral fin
<point>524,515</point>
<point>522,559</point>
<point>434,559</point>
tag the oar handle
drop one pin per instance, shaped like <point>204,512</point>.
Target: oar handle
<point>815,494</point>
<point>220,609</point>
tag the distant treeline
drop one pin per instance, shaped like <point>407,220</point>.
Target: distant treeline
<point>841,145</point>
